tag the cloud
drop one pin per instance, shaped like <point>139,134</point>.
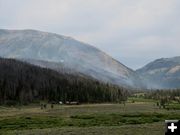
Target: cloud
<point>134,32</point>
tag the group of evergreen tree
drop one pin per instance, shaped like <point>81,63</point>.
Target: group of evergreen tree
<point>161,94</point>
<point>22,83</point>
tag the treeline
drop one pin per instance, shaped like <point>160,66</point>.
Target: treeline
<point>159,94</point>
<point>22,83</point>
<point>167,99</point>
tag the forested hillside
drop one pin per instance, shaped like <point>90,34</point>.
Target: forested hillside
<point>22,83</point>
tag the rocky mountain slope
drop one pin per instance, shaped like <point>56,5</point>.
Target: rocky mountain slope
<point>162,73</point>
<point>81,57</point>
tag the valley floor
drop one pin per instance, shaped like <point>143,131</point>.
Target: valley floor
<point>139,118</point>
<point>147,129</point>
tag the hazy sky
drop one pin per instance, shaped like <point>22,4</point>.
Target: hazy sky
<point>134,32</point>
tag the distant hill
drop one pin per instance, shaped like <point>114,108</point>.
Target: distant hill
<point>162,73</point>
<point>32,45</point>
<point>22,83</point>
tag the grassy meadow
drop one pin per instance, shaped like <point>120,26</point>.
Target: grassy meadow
<point>137,116</point>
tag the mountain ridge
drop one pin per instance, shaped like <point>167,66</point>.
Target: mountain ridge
<point>163,73</point>
<point>38,45</point>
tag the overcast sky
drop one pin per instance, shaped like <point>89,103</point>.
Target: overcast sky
<point>134,32</point>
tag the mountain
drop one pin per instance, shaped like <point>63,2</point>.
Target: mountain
<point>162,73</point>
<point>32,45</point>
<point>23,83</point>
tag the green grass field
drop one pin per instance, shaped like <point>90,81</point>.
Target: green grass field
<point>139,118</point>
